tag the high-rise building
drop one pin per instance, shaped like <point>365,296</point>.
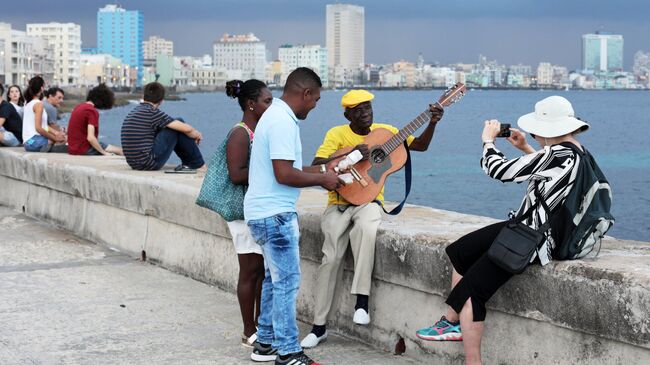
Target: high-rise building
<point>602,52</point>
<point>312,56</point>
<point>241,54</point>
<point>25,56</point>
<point>65,38</point>
<point>345,36</point>
<point>120,33</point>
<point>154,46</point>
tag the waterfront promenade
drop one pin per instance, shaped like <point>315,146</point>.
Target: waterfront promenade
<point>66,300</point>
<point>585,311</point>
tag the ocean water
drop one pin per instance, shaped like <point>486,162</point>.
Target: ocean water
<point>448,175</point>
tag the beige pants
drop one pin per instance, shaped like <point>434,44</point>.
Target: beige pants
<point>356,226</point>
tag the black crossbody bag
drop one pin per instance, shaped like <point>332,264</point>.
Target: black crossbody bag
<point>516,243</point>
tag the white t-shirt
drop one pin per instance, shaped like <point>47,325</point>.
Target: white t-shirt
<point>19,108</point>
<point>29,125</point>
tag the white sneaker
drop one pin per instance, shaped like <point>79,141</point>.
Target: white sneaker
<point>310,341</point>
<point>361,317</point>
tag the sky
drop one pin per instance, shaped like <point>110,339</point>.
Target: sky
<point>509,31</point>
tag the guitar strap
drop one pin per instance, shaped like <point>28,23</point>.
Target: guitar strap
<point>407,181</point>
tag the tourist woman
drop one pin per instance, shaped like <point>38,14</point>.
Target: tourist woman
<point>253,97</point>
<point>37,135</point>
<point>475,278</point>
<point>15,97</point>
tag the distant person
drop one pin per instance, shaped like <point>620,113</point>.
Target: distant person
<point>276,175</point>
<point>344,224</point>
<point>15,97</point>
<point>550,174</point>
<point>253,98</point>
<point>149,136</point>
<point>83,127</point>
<point>53,99</point>
<point>37,134</point>
<point>11,124</point>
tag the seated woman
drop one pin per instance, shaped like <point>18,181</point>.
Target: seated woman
<point>83,128</point>
<point>11,124</point>
<point>15,97</point>
<point>475,278</point>
<point>37,135</point>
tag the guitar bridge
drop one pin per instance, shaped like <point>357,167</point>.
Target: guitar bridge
<point>357,176</point>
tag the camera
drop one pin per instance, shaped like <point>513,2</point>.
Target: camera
<point>504,131</point>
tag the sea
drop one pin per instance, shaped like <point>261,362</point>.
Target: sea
<point>448,176</point>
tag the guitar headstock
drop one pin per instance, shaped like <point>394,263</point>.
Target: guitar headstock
<point>452,95</point>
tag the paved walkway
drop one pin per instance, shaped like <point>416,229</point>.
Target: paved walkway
<point>64,300</point>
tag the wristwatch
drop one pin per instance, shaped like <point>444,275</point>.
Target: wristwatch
<point>323,168</point>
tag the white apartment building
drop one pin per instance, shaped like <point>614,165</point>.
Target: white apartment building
<point>105,68</point>
<point>312,56</point>
<point>3,76</point>
<point>155,46</point>
<point>345,36</point>
<point>65,38</point>
<point>241,53</point>
<point>544,74</point>
<point>25,56</point>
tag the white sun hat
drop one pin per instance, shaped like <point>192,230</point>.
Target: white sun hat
<point>553,117</point>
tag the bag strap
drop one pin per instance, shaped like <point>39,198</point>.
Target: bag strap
<point>528,213</point>
<point>407,182</point>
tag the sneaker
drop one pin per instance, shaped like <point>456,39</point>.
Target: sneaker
<point>361,317</point>
<point>443,330</point>
<point>248,341</point>
<point>298,358</point>
<point>311,340</point>
<point>263,353</point>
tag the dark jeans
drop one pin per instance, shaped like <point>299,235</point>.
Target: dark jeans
<point>168,140</point>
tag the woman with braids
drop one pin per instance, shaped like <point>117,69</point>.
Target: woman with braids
<point>37,135</point>
<point>253,97</point>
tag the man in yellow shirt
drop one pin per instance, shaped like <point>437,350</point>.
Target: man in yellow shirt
<point>344,224</point>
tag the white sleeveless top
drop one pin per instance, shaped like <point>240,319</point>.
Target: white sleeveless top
<point>29,127</point>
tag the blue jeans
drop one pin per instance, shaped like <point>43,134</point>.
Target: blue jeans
<point>168,140</point>
<point>8,139</point>
<point>279,236</point>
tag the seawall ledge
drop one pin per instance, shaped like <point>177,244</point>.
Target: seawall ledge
<point>600,307</point>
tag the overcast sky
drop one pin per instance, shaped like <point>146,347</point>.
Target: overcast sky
<point>510,31</point>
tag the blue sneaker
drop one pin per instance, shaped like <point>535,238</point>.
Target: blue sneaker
<point>443,330</point>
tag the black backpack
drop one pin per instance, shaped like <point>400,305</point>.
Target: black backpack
<point>584,218</point>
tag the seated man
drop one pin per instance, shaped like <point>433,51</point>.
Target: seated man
<point>11,124</point>
<point>344,224</point>
<point>53,99</point>
<point>83,127</point>
<point>149,136</point>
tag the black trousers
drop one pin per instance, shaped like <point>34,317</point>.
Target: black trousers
<point>481,277</point>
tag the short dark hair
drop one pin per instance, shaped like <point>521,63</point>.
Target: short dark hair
<point>2,90</point>
<point>53,90</point>
<point>101,96</point>
<point>302,78</point>
<point>244,91</point>
<point>154,92</point>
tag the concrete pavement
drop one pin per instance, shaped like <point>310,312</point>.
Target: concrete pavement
<point>65,300</point>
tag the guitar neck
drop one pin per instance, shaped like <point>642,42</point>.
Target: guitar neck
<point>398,139</point>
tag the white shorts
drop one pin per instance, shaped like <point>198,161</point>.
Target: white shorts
<point>241,237</point>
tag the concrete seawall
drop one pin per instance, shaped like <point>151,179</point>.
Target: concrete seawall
<point>590,311</point>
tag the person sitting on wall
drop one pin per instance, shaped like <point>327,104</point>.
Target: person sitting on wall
<point>11,124</point>
<point>149,136</point>
<point>53,98</point>
<point>83,127</point>
<point>37,134</point>
<point>344,224</point>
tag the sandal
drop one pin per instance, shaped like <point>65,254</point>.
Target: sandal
<point>181,169</point>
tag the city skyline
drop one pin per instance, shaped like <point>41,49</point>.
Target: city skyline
<point>548,32</point>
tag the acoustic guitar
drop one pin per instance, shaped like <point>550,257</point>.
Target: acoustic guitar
<point>387,154</point>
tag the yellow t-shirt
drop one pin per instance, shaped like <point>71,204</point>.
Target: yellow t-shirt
<point>342,136</point>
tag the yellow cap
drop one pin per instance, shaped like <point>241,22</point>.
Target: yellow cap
<point>355,97</point>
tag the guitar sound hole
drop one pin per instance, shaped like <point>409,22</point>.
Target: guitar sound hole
<point>378,155</point>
